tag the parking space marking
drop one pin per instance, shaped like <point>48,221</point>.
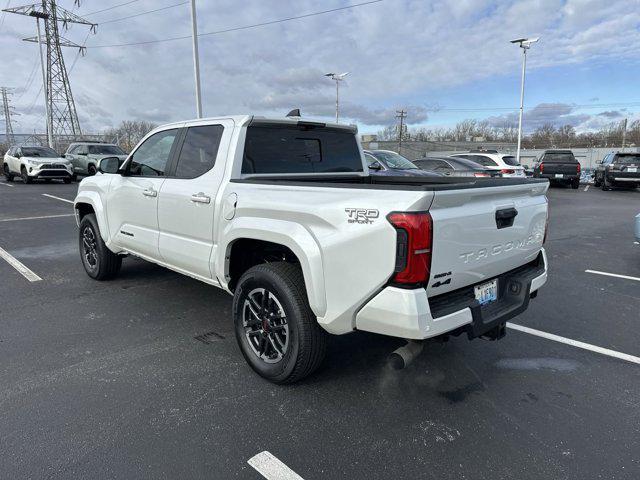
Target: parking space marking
<point>271,468</point>
<point>6,184</point>
<point>616,275</point>
<point>575,343</point>
<point>57,198</point>
<point>19,266</point>
<point>36,218</point>
<point>586,188</point>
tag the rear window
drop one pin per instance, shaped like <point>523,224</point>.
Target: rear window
<point>480,159</point>
<point>559,157</point>
<point>300,149</point>
<point>510,160</point>
<point>627,159</point>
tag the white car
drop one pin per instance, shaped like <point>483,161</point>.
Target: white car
<point>31,163</point>
<point>506,164</point>
<point>284,215</point>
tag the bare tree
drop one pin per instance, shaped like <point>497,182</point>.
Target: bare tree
<point>130,132</point>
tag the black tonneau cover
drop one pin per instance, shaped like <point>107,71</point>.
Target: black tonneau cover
<point>388,182</point>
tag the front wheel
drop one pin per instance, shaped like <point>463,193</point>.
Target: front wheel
<point>276,330</point>
<point>575,184</point>
<point>25,176</point>
<point>98,261</point>
<point>67,180</point>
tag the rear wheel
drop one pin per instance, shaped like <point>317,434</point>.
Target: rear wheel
<point>276,330</point>
<point>99,262</point>
<point>575,184</point>
<point>7,173</point>
<point>25,176</point>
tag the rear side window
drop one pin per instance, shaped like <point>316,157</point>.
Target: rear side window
<point>300,149</point>
<point>510,160</point>
<point>199,150</point>
<point>559,157</point>
<point>482,160</point>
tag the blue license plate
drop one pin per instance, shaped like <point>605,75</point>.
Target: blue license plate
<point>487,292</point>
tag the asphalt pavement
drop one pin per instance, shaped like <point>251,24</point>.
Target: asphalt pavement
<point>108,380</point>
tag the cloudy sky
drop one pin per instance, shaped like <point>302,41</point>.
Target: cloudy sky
<point>443,61</point>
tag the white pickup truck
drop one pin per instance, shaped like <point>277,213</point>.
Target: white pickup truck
<point>283,214</point>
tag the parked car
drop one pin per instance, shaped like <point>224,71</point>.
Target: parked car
<point>559,166</point>
<point>392,164</point>
<point>507,165</point>
<point>283,215</point>
<point>618,169</point>
<point>455,167</point>
<point>32,163</point>
<point>85,156</point>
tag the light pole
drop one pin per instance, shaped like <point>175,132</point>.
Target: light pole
<point>196,58</point>
<point>338,77</point>
<point>45,17</point>
<point>525,44</point>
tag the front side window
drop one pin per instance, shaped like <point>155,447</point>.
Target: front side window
<point>300,148</point>
<point>151,158</point>
<point>394,160</point>
<point>370,159</point>
<point>199,150</point>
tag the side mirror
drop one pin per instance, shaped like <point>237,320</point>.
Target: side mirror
<point>375,166</point>
<point>109,165</point>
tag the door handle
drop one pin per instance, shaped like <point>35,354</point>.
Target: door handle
<point>150,192</point>
<point>200,197</point>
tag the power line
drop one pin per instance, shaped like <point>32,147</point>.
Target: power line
<point>143,13</point>
<point>111,8</point>
<point>245,27</point>
<point>539,107</point>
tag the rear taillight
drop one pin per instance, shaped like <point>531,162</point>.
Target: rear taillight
<point>579,168</point>
<point>413,247</point>
<point>477,174</point>
<point>541,167</point>
<point>508,171</point>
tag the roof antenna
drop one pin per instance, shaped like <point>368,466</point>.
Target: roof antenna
<point>294,113</point>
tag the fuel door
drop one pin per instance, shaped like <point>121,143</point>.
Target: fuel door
<point>229,208</point>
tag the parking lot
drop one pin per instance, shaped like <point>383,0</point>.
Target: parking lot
<point>141,377</point>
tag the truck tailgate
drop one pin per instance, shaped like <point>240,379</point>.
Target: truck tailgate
<point>473,238</point>
<point>552,168</point>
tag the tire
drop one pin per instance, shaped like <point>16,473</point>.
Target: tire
<point>575,184</point>
<point>47,180</point>
<point>67,180</point>
<point>282,341</point>
<point>91,170</point>
<point>7,173</point>
<point>605,185</point>
<point>98,261</point>
<point>25,176</point>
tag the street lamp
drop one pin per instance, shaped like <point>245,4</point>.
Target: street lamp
<point>525,44</point>
<point>338,77</point>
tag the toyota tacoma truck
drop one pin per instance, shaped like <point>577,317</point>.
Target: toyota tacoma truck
<point>284,215</point>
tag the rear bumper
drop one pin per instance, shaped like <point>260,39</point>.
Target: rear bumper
<point>623,177</point>
<point>411,314</point>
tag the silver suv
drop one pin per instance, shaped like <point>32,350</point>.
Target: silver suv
<point>85,156</point>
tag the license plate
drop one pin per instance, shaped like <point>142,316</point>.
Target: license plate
<point>559,175</point>
<point>487,292</point>
<point>632,169</point>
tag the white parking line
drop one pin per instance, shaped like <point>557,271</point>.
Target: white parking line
<point>271,468</point>
<point>586,188</point>
<point>36,218</point>
<point>57,198</point>
<point>15,263</point>
<point>575,343</point>
<point>626,277</point>
<point>6,184</point>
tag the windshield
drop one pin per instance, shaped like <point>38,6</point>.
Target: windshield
<point>559,157</point>
<point>510,160</point>
<point>393,160</point>
<point>44,152</point>
<point>105,150</point>
<point>627,159</point>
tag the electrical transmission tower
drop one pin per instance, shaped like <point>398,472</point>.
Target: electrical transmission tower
<point>62,118</point>
<point>9,139</point>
